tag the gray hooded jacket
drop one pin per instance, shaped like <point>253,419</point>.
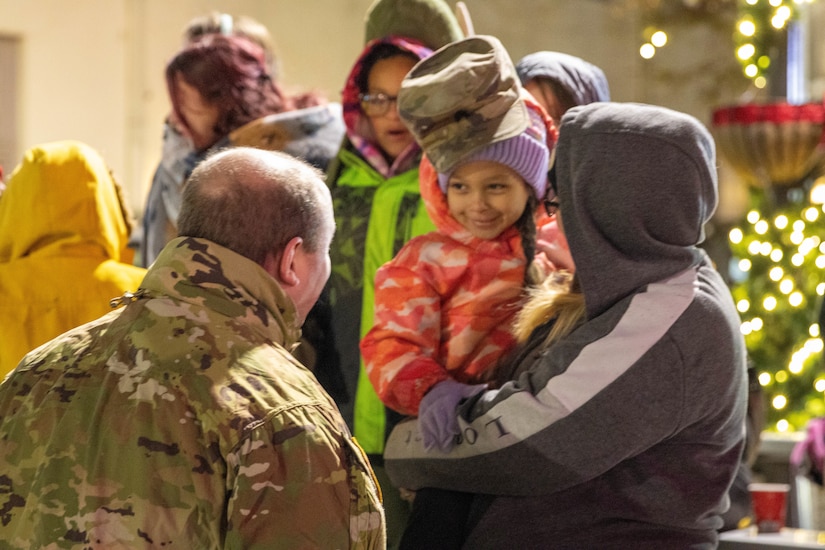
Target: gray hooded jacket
<point>627,432</point>
<point>585,81</point>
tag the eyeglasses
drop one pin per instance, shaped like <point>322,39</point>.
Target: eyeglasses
<point>551,206</point>
<point>376,104</point>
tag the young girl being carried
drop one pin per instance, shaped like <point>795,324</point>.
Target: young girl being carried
<point>444,306</point>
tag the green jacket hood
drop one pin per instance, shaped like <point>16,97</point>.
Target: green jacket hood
<point>430,21</point>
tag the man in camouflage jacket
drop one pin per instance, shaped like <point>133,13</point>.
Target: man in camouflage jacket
<point>181,420</point>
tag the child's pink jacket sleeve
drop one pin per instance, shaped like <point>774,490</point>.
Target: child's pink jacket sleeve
<point>400,350</point>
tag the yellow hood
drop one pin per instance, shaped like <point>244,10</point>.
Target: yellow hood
<point>62,194</point>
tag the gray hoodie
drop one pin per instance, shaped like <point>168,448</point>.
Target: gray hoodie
<point>585,81</point>
<point>627,432</point>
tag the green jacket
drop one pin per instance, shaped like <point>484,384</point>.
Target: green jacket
<point>374,216</point>
<point>182,420</point>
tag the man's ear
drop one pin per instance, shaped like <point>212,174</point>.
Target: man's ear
<point>285,267</point>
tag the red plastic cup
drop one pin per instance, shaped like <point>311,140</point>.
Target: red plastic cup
<point>770,504</point>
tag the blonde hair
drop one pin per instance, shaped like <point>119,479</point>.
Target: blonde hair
<point>558,297</point>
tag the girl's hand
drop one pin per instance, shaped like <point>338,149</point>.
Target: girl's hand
<point>438,415</point>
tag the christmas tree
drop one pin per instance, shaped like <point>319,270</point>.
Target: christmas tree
<point>777,266</point>
<point>778,252</point>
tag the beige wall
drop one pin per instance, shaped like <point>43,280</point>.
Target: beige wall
<point>92,69</point>
<point>71,83</point>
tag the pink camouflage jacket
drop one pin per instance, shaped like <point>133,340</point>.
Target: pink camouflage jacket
<point>443,306</point>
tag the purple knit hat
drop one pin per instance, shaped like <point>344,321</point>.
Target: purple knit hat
<point>527,154</point>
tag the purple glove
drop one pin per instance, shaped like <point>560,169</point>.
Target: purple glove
<point>437,415</point>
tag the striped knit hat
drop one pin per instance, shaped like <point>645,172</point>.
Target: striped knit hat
<point>527,154</point>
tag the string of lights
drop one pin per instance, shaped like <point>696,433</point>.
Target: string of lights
<point>759,31</point>
<point>778,293</point>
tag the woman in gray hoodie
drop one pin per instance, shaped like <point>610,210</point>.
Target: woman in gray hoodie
<point>627,432</point>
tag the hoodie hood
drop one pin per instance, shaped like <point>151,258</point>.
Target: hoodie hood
<point>357,124</point>
<point>585,81</point>
<point>432,22</point>
<point>62,195</point>
<point>636,184</point>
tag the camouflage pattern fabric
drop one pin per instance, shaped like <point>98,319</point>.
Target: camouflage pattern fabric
<point>463,97</point>
<point>182,421</point>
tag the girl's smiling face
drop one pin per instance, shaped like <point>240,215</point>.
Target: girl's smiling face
<point>486,197</point>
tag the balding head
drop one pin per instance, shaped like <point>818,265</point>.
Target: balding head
<point>253,202</point>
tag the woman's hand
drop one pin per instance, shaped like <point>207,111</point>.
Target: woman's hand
<point>552,252</point>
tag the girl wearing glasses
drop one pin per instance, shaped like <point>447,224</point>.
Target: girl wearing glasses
<point>377,204</point>
<point>374,185</point>
<point>378,208</point>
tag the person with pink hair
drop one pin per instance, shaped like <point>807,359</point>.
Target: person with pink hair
<point>223,94</point>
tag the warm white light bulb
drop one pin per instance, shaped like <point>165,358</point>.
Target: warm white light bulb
<point>814,345</point>
<point>817,195</point>
<point>747,28</point>
<point>659,39</point>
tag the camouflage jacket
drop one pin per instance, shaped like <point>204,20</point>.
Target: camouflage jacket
<point>181,420</point>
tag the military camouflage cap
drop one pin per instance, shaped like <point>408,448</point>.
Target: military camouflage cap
<point>463,97</point>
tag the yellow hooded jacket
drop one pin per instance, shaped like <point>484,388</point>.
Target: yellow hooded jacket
<point>63,247</point>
